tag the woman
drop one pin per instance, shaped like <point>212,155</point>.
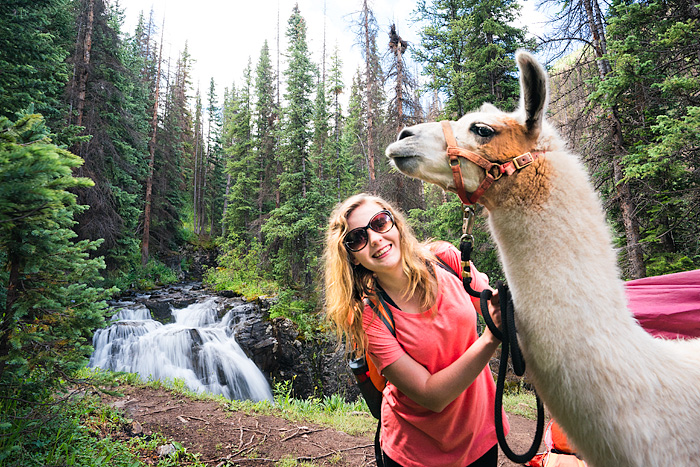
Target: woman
<point>437,408</point>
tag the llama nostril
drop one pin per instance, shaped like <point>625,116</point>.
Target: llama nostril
<point>405,133</point>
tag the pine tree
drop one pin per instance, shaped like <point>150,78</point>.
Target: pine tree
<point>48,309</point>
<point>266,121</point>
<point>292,227</point>
<point>652,83</point>
<point>319,155</point>
<point>467,48</point>
<point>336,87</point>
<point>151,162</point>
<point>215,164</point>
<point>114,102</point>
<point>241,164</point>
<point>584,22</point>
<point>367,29</point>
<point>198,169</point>
<point>403,111</point>
<point>174,144</point>
<point>35,41</point>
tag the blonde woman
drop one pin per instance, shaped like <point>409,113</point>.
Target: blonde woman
<point>438,404</point>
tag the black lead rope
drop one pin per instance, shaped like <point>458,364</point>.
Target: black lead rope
<point>509,344</point>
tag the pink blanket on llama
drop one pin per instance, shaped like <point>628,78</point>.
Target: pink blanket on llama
<point>667,306</point>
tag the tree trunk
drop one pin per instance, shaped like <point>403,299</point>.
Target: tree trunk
<point>82,77</point>
<point>369,86</point>
<point>635,256</point>
<point>223,217</point>
<point>195,194</point>
<point>151,163</point>
<point>399,88</point>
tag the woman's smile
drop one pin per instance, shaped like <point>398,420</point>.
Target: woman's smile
<point>382,252</point>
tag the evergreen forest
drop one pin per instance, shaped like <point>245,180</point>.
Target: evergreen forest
<point>114,168</point>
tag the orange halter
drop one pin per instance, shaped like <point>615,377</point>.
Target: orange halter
<point>493,171</point>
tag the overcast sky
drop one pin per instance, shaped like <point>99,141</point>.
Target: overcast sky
<point>223,34</point>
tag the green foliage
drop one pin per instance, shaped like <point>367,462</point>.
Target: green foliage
<point>293,230</point>
<point>669,263</point>
<point>115,121</point>
<point>520,403</point>
<point>35,39</point>
<point>134,276</point>
<point>49,309</point>
<point>241,163</point>
<point>442,220</point>
<point>334,411</point>
<point>240,270</point>
<point>179,456</point>
<point>299,311</point>
<point>653,86</point>
<point>73,431</point>
<point>467,48</point>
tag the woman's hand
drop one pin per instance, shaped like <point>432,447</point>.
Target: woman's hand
<point>494,307</point>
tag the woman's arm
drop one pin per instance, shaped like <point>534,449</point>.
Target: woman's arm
<point>437,391</point>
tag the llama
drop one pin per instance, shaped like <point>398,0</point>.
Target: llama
<point>623,397</point>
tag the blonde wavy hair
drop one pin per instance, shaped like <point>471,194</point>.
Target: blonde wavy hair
<point>346,284</point>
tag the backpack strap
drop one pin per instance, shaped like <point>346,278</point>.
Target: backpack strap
<point>378,454</point>
<point>383,312</point>
<point>441,262</point>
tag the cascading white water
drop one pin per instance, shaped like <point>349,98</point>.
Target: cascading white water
<point>197,348</point>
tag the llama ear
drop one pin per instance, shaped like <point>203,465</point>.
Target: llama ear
<point>533,90</point>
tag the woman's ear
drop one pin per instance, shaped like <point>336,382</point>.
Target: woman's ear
<point>354,260</point>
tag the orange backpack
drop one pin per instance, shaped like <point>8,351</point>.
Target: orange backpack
<point>559,453</point>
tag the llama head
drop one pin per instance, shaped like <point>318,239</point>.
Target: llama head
<point>421,150</point>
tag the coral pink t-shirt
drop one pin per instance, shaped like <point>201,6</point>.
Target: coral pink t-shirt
<point>464,431</point>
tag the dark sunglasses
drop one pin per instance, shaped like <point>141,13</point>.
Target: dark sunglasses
<point>357,239</point>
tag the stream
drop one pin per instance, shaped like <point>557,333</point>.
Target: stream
<point>196,344</point>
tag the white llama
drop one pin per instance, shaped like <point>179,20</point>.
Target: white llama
<point>623,397</point>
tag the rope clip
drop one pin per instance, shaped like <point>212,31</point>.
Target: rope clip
<point>467,223</point>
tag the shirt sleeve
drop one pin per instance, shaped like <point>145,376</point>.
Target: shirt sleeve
<point>383,348</point>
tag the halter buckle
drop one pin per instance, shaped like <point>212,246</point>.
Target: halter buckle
<point>523,160</point>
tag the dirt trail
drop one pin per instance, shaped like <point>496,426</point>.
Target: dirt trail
<point>226,438</point>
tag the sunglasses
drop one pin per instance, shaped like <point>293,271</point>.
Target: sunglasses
<point>357,239</point>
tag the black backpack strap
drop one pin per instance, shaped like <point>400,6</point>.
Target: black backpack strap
<point>378,455</point>
<point>447,267</point>
<point>384,313</point>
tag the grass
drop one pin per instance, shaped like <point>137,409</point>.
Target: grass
<point>73,432</point>
<point>521,403</point>
<point>80,431</point>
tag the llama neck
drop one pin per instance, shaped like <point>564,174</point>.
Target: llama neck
<point>562,271</point>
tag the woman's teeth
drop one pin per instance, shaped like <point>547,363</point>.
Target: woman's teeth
<point>382,251</point>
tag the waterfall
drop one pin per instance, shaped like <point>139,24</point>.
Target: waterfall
<point>197,347</point>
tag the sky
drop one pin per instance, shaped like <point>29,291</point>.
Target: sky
<point>223,35</point>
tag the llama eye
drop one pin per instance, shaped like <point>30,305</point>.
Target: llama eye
<point>482,130</point>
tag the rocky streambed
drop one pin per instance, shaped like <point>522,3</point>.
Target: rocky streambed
<point>219,343</point>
